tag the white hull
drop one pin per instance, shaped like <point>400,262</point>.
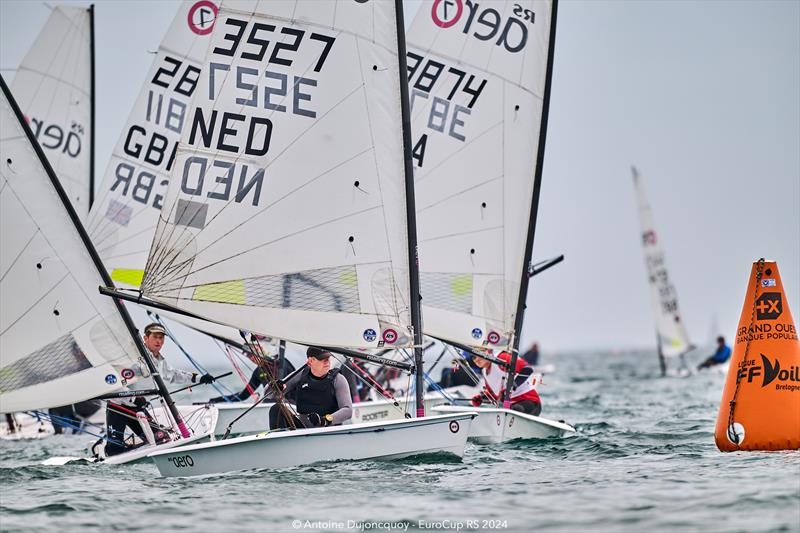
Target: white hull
<point>257,420</point>
<point>253,422</point>
<point>495,425</point>
<point>282,449</point>
<point>200,419</point>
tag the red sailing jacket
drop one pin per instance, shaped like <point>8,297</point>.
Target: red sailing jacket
<point>495,377</point>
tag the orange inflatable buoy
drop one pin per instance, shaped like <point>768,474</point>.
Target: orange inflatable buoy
<point>760,407</point>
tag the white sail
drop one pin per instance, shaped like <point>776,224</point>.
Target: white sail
<point>285,213</point>
<point>123,220</point>
<point>53,88</point>
<point>60,341</point>
<point>477,76</point>
<point>672,335</point>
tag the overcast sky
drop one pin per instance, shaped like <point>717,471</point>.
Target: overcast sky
<point>703,97</point>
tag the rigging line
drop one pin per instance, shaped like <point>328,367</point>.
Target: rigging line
<point>191,359</point>
<point>254,248</point>
<point>35,303</point>
<point>365,377</point>
<point>19,255</point>
<point>457,152</point>
<point>110,246</point>
<point>277,390</point>
<point>67,422</point>
<point>462,361</point>
<point>250,390</point>
<point>435,387</point>
<point>95,225</point>
<point>109,258</point>
<point>458,193</point>
<point>459,233</point>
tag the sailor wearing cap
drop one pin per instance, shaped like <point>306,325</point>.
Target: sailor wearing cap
<point>323,395</point>
<point>122,413</point>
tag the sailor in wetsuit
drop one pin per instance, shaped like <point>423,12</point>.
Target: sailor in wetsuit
<point>721,355</point>
<point>323,395</point>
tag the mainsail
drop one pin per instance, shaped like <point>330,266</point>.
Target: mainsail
<point>123,220</point>
<point>477,75</point>
<point>673,339</point>
<point>286,213</point>
<point>53,87</point>
<point>60,341</point>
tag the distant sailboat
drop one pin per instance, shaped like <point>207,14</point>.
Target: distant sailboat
<point>672,340</point>
<point>54,86</point>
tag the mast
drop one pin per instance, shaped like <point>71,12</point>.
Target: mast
<point>411,210</point>
<point>537,182</point>
<point>661,361</point>
<point>62,195</point>
<point>91,116</point>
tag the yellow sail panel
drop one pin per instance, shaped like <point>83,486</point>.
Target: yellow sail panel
<point>461,285</point>
<point>230,292</point>
<point>128,276</point>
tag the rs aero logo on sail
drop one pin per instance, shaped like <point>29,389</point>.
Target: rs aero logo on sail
<point>485,23</point>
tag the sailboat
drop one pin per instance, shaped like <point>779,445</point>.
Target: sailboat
<point>54,87</point>
<point>291,172</point>
<point>54,82</point>
<point>60,341</point>
<point>672,339</point>
<point>479,104</point>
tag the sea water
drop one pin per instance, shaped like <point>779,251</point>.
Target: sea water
<point>643,459</point>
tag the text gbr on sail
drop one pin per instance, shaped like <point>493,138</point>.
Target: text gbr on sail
<point>151,146</point>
